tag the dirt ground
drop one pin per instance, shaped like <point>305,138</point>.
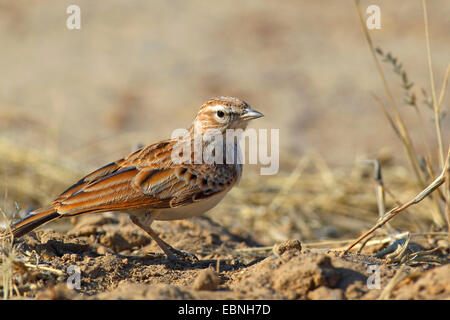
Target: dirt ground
<point>118,261</point>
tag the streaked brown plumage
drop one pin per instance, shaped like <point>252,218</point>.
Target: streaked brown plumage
<point>149,185</point>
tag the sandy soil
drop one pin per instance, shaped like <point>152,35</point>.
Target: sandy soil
<point>117,261</point>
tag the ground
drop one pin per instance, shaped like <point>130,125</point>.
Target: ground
<point>118,261</point>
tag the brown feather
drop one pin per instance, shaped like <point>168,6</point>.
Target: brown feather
<point>33,221</point>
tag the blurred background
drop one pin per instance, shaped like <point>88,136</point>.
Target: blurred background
<point>73,100</point>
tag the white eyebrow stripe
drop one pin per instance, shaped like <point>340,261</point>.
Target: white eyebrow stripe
<point>217,107</point>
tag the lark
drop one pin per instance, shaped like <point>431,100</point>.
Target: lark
<point>149,185</point>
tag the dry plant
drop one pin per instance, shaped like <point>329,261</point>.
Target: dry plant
<point>19,267</point>
<point>22,184</point>
<point>32,175</point>
<point>7,260</point>
<point>313,202</point>
<point>426,179</point>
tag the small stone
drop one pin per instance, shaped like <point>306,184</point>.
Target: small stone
<point>288,245</point>
<point>206,280</point>
<point>101,250</point>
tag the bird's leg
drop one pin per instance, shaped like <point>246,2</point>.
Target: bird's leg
<point>172,253</point>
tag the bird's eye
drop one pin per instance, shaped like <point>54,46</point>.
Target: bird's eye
<point>220,114</point>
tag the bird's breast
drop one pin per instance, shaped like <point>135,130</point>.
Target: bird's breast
<point>191,210</point>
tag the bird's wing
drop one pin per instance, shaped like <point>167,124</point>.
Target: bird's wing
<point>145,179</point>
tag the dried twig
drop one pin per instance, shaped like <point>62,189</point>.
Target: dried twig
<point>44,268</point>
<point>436,105</point>
<point>444,86</point>
<point>399,276</point>
<point>396,210</point>
<point>447,209</point>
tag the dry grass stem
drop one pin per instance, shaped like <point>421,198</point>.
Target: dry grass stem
<point>398,277</point>
<point>400,125</point>
<point>7,255</point>
<point>436,105</point>
<point>444,86</point>
<point>395,211</point>
<point>447,207</point>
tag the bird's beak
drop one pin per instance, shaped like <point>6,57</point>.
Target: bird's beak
<point>250,115</point>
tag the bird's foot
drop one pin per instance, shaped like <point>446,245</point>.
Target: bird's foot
<point>181,257</point>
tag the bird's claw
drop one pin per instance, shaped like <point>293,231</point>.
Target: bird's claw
<point>182,257</point>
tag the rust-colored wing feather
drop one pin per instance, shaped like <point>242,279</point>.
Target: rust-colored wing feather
<point>146,179</point>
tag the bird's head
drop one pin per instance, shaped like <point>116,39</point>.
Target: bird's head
<point>224,113</point>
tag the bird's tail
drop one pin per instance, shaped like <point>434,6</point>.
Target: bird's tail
<point>32,221</point>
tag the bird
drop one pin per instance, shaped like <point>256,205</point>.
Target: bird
<point>151,184</point>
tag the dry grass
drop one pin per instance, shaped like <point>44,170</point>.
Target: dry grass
<point>426,180</point>
<point>31,176</point>
<point>7,258</point>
